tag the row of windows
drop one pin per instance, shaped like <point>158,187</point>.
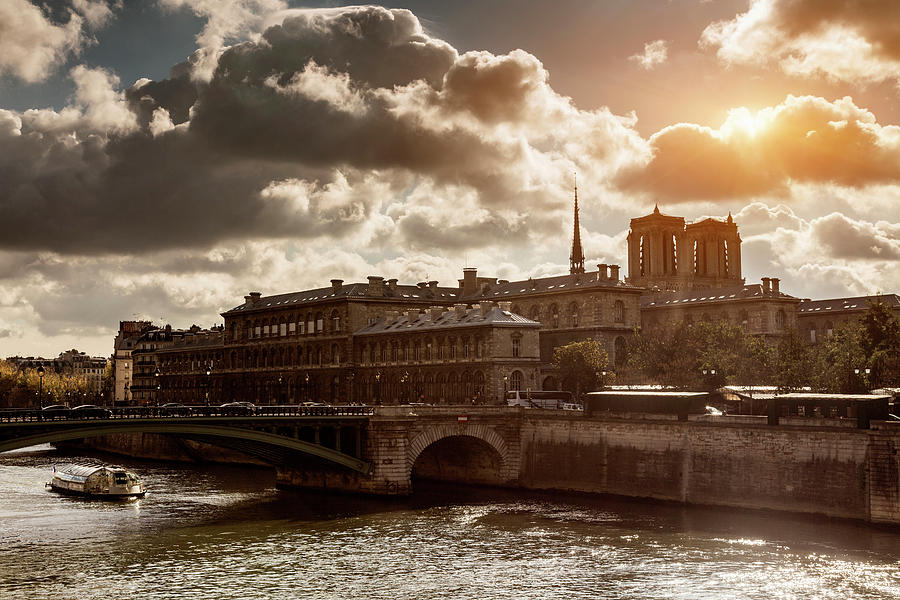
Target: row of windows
<point>296,325</point>
<point>571,316</point>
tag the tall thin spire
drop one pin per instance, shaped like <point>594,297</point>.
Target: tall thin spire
<point>576,258</point>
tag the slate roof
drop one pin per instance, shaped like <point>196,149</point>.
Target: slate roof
<point>558,283</point>
<point>448,320</point>
<point>350,290</point>
<point>710,296</point>
<point>856,303</point>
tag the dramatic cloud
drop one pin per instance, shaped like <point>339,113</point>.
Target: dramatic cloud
<point>804,139</point>
<point>32,46</point>
<point>850,40</point>
<point>655,54</point>
<point>333,124</point>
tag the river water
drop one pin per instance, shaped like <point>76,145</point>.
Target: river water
<point>224,532</point>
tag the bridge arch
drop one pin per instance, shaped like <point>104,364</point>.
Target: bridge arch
<point>477,440</point>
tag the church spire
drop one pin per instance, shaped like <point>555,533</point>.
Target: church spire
<point>576,258</point>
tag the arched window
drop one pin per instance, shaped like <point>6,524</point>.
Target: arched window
<point>335,321</point>
<point>619,311</point>
<point>320,322</point>
<point>745,320</point>
<point>310,324</point>
<point>554,316</point>
<point>515,381</point>
<point>829,329</point>
<point>478,391</point>
<point>574,315</point>
<point>335,354</point>
<point>779,319</point>
<point>516,345</point>
<point>535,314</point>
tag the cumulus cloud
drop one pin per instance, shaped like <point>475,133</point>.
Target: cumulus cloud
<point>32,45</point>
<point>654,54</point>
<point>802,140</point>
<point>848,40</point>
<point>340,123</point>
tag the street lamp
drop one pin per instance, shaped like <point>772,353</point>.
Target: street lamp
<point>403,380</point>
<point>40,372</point>
<point>279,390</point>
<point>865,372</point>
<point>156,378</point>
<point>306,386</point>
<point>602,379</point>
<point>378,387</point>
<point>505,388</point>
<point>208,373</point>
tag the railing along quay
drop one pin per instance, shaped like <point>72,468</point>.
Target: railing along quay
<point>22,415</point>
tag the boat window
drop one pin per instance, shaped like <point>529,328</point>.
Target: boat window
<point>121,478</point>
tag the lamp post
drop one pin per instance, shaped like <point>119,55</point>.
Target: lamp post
<point>505,388</point>
<point>280,380</point>
<point>865,376</point>
<point>208,373</point>
<point>306,387</point>
<point>156,379</point>
<point>40,372</point>
<point>602,379</point>
<point>403,380</point>
<point>710,375</point>
<point>378,387</point>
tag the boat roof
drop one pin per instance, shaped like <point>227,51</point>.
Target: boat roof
<point>86,470</point>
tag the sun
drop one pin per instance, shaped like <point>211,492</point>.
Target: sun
<point>741,121</point>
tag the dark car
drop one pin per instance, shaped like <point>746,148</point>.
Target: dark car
<point>91,411</point>
<point>174,409</point>
<point>55,411</point>
<point>238,408</point>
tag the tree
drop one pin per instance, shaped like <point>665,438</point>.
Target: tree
<point>793,365</point>
<point>580,365</point>
<point>835,359</point>
<point>880,343</point>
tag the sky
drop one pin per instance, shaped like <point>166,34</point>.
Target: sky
<point>159,159</point>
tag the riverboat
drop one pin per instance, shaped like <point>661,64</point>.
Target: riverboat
<point>96,481</point>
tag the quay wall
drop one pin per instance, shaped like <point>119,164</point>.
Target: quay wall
<point>834,471</point>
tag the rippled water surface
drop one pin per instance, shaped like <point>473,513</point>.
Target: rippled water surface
<point>221,532</point>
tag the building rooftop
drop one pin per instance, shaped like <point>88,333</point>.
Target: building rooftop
<point>377,289</point>
<point>449,319</point>
<point>505,290</point>
<point>710,296</point>
<point>855,303</point>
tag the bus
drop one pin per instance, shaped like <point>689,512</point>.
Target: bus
<point>545,399</point>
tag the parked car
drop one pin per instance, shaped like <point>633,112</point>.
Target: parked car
<point>55,411</point>
<point>238,409</point>
<point>91,411</point>
<point>175,409</point>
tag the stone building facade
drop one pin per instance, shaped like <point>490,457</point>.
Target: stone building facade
<point>817,319</point>
<point>667,254</point>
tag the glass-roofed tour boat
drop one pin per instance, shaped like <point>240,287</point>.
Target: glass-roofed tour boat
<point>97,481</point>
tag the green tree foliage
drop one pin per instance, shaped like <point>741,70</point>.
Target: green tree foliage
<point>836,358</point>
<point>793,362</point>
<point>880,342</point>
<point>580,365</point>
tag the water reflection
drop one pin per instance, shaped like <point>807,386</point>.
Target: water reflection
<point>224,532</point>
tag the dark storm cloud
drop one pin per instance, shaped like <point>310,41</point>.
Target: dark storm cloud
<point>277,142</point>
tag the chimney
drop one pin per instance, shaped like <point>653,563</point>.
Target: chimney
<point>432,285</point>
<point>505,306</point>
<point>603,272</point>
<point>470,277</point>
<point>766,283</point>
<point>336,285</point>
<point>390,316</point>
<point>252,297</point>
<point>460,310</point>
<point>485,307</point>
<point>614,272</point>
<point>436,312</point>
<point>376,286</point>
<point>412,315</point>
<point>775,282</point>
<point>392,284</point>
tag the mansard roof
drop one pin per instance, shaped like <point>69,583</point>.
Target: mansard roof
<point>398,293</point>
<point>449,319</point>
<point>852,304</point>
<point>753,291</point>
<point>559,283</point>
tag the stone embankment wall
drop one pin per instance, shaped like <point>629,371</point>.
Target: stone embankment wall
<point>835,471</point>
